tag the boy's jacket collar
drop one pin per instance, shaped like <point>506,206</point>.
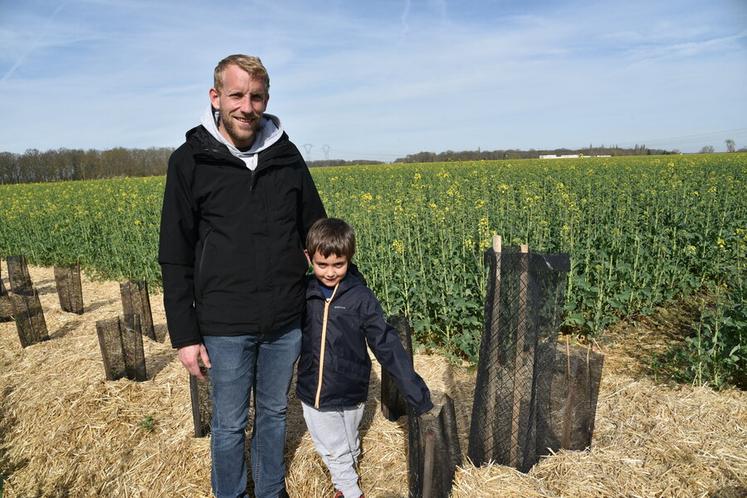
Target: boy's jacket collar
<point>314,289</point>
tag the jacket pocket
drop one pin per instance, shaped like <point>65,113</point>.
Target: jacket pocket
<point>356,371</point>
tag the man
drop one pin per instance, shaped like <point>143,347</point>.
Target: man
<point>237,204</point>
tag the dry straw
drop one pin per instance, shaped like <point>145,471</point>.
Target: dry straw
<point>65,431</point>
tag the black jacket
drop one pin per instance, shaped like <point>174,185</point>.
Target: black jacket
<point>231,241</point>
<point>354,318</point>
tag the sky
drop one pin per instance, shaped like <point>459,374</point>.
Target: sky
<point>381,79</point>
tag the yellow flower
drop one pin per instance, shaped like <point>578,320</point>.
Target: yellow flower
<point>398,246</point>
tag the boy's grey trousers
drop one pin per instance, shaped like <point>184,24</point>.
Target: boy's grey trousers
<point>336,439</point>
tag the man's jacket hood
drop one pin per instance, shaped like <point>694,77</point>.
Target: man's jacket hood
<point>270,131</point>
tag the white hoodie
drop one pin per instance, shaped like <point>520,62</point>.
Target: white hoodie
<point>270,131</point>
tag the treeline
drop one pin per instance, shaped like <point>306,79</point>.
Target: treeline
<point>476,155</point>
<point>77,164</point>
<point>341,162</point>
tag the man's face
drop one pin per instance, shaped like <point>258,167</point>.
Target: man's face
<point>329,270</point>
<point>241,102</point>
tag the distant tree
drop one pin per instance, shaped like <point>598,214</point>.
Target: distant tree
<point>75,164</point>
<point>708,149</point>
<point>730,145</point>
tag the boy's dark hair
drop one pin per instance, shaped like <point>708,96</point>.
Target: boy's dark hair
<point>331,236</point>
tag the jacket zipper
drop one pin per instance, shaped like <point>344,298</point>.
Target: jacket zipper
<point>202,259</point>
<point>323,346</point>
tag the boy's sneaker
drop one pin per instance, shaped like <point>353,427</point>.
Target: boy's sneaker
<point>338,494</point>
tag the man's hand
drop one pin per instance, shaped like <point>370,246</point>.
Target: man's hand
<point>189,356</point>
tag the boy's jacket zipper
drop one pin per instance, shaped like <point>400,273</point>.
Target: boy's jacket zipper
<point>323,346</point>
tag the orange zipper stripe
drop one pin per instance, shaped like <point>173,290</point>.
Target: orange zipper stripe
<point>323,346</point>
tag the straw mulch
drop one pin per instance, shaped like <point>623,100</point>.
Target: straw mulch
<point>65,431</point>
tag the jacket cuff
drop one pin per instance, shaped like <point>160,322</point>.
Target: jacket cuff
<point>424,408</point>
<point>185,342</point>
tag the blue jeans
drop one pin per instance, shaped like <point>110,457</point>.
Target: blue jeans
<point>239,363</point>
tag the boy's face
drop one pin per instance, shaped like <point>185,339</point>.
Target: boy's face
<point>329,270</point>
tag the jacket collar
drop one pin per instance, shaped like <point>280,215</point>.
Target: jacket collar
<point>314,289</point>
<point>206,145</point>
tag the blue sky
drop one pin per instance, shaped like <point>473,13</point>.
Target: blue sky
<point>381,79</point>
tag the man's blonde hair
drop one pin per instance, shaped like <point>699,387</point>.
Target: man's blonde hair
<point>249,63</point>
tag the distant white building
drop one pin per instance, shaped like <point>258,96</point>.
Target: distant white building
<point>569,156</point>
<point>559,156</point>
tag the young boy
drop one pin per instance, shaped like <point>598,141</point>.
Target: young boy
<point>342,315</point>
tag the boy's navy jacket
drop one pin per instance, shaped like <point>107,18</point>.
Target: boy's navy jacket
<point>354,318</point>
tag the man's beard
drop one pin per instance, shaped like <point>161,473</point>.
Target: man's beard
<point>240,136</point>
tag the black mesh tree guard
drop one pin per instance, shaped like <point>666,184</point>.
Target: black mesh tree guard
<point>393,404</point>
<point>433,451</point>
<point>136,301</point>
<point>29,317</point>
<point>522,315</point>
<point>18,275</point>
<point>121,343</point>
<point>6,307</point>
<point>69,289</point>
<point>200,393</point>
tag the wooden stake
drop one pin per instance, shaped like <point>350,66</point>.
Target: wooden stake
<point>482,443</point>
<point>497,244</point>
<point>429,462</point>
<point>565,440</point>
<point>522,361</point>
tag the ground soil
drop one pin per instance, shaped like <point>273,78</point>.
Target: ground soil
<point>67,431</point>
